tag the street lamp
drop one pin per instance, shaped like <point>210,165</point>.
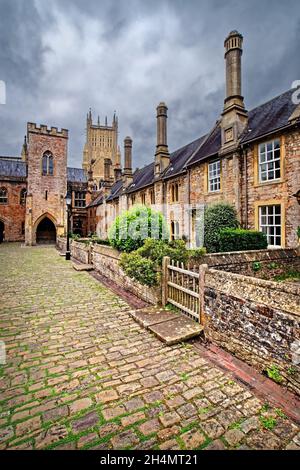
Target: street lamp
<point>297,196</point>
<point>68,200</point>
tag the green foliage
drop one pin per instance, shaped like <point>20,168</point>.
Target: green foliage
<point>273,265</point>
<point>298,232</point>
<point>74,236</point>
<point>144,263</point>
<point>197,254</point>
<point>268,422</point>
<point>133,227</point>
<point>242,240</point>
<point>290,275</point>
<point>100,241</point>
<point>216,218</point>
<point>256,266</point>
<point>157,249</point>
<point>280,413</point>
<point>139,268</point>
<point>274,374</point>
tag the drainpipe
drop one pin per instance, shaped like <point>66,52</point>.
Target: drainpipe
<point>245,153</point>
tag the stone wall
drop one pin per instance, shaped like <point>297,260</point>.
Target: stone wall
<point>242,262</point>
<point>61,244</point>
<point>12,214</point>
<point>256,320</point>
<point>81,252</point>
<point>106,261</point>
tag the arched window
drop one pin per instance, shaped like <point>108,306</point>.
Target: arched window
<point>47,164</point>
<point>23,197</point>
<point>3,196</point>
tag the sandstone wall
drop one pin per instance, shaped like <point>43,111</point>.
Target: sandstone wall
<point>242,261</point>
<point>106,261</point>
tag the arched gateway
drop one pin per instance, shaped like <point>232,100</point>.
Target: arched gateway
<point>46,232</point>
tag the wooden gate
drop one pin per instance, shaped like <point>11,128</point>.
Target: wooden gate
<point>183,288</point>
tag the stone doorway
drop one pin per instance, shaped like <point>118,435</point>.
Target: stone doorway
<point>46,232</point>
<point>1,231</point>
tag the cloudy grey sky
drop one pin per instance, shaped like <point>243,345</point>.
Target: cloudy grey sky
<point>60,57</point>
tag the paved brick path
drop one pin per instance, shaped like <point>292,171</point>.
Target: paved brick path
<point>81,373</point>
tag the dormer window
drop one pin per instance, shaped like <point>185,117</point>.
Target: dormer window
<point>47,164</point>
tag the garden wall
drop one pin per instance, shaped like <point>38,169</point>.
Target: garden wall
<point>242,261</point>
<point>61,244</point>
<point>106,261</point>
<point>81,252</point>
<point>256,320</point>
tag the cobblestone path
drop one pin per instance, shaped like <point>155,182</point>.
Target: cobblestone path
<point>80,373</point>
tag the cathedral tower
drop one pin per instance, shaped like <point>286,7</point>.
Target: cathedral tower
<point>101,145</point>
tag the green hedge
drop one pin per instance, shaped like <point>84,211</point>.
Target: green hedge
<point>217,217</point>
<point>242,240</point>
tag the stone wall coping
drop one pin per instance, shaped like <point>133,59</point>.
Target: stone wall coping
<point>107,251</point>
<point>80,246</point>
<point>240,257</point>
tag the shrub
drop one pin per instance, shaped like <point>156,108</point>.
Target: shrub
<point>242,240</point>
<point>139,268</point>
<point>75,236</point>
<point>197,254</point>
<point>100,241</point>
<point>216,218</point>
<point>131,228</point>
<point>157,249</point>
<point>298,232</point>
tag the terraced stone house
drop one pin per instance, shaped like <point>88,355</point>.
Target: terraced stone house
<point>250,159</point>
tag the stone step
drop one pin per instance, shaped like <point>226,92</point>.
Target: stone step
<point>169,327</point>
<point>83,267</point>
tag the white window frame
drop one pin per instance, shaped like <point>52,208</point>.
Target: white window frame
<point>269,224</point>
<point>268,161</point>
<point>214,176</point>
<point>175,234</point>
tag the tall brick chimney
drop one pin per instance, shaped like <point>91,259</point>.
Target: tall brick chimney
<point>127,173</point>
<point>234,116</point>
<point>162,156</point>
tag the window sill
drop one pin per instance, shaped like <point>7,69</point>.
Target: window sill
<point>209,193</point>
<point>269,183</point>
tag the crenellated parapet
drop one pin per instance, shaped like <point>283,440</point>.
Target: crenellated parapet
<point>42,129</point>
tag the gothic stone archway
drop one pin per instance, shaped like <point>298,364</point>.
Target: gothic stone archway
<point>46,232</point>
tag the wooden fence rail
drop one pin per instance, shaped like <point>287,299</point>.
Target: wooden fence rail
<point>183,288</point>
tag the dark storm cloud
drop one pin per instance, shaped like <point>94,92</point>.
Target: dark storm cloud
<point>60,57</point>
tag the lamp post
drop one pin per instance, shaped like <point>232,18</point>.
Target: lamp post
<point>297,196</point>
<point>68,199</point>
